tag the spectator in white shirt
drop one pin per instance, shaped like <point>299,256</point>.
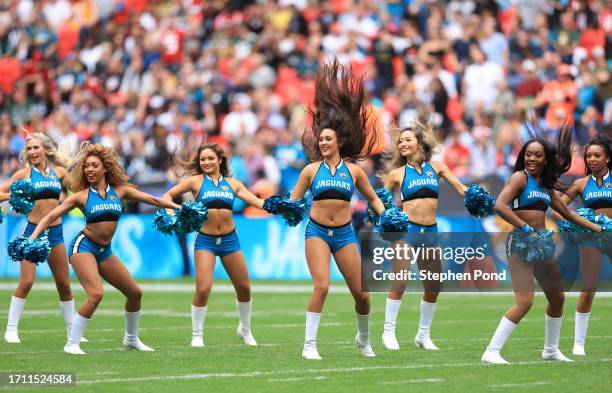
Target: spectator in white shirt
<point>240,121</point>
<point>481,81</point>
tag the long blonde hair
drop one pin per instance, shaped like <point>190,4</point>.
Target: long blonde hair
<point>53,154</point>
<point>115,174</point>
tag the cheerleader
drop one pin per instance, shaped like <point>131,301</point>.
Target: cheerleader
<point>100,185</point>
<point>338,133</point>
<point>595,190</point>
<point>522,202</point>
<point>45,168</point>
<point>210,182</point>
<point>417,178</point>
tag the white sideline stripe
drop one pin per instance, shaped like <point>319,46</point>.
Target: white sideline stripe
<point>295,379</point>
<point>178,314</point>
<point>305,371</point>
<point>184,344</point>
<point>516,385</point>
<point>422,380</point>
<point>186,327</point>
<point>257,314</point>
<point>189,288</point>
<point>260,288</point>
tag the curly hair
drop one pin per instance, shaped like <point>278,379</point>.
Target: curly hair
<point>115,174</point>
<point>191,164</point>
<point>338,105</point>
<point>53,154</point>
<point>605,143</point>
<point>424,134</point>
<point>558,158</point>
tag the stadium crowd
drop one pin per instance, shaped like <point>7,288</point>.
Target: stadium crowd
<point>144,76</point>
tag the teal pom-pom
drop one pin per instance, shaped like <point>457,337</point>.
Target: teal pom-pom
<point>293,212</point>
<point>534,247</point>
<point>386,197</point>
<point>604,222</point>
<point>603,240</point>
<point>165,223</point>
<point>191,216</point>
<point>393,220</point>
<point>275,203</point>
<point>586,213</point>
<point>1,216</point>
<point>22,196</point>
<point>15,248</point>
<point>478,201</point>
<point>37,251</point>
<point>577,234</point>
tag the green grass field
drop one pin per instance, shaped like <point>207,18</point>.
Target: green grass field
<point>462,327</point>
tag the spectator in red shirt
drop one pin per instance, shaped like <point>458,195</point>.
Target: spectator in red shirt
<point>10,70</point>
<point>172,41</point>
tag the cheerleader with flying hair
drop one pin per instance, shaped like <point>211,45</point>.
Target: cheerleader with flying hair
<point>45,170</point>
<point>100,185</point>
<point>595,190</point>
<point>209,180</point>
<point>523,202</point>
<point>339,133</point>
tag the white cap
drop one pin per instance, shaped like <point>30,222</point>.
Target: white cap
<point>598,51</point>
<point>156,102</point>
<point>529,65</point>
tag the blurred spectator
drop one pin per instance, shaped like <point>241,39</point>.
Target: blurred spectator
<point>457,152</point>
<point>483,148</point>
<point>481,81</point>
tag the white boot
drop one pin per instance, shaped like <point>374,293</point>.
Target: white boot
<point>422,339</point>
<point>363,336</point>
<point>76,333</point>
<point>310,337</point>
<point>580,330</point>
<point>504,330</point>
<point>198,315</point>
<point>493,358</point>
<point>244,327</point>
<point>552,331</point>
<point>67,309</point>
<point>15,309</point>
<point>130,339</point>
<point>388,337</point>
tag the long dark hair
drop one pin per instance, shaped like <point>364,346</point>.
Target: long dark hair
<point>604,142</point>
<point>190,165</point>
<point>338,105</point>
<point>558,158</point>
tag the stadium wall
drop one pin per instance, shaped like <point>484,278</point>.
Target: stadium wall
<point>272,250</point>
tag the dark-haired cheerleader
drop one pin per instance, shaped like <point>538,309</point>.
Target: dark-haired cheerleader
<point>339,132</point>
<point>595,190</point>
<point>522,202</point>
<point>210,182</point>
